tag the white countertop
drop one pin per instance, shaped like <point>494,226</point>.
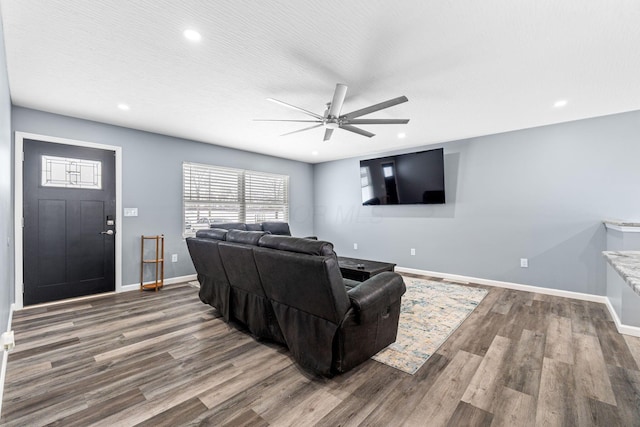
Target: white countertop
<point>627,264</point>
<point>621,223</point>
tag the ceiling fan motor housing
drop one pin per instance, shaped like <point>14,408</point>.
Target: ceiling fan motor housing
<point>331,123</point>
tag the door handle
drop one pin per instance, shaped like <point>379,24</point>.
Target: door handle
<point>108,232</point>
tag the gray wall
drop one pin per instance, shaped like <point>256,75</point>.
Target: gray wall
<point>152,181</point>
<point>6,179</point>
<point>538,193</point>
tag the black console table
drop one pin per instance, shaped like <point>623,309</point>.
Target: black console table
<point>362,269</point>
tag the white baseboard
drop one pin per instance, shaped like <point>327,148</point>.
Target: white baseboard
<point>169,281</point>
<point>623,329</point>
<point>126,288</point>
<point>5,357</point>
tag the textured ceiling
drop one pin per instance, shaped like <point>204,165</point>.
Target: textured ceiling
<point>468,67</point>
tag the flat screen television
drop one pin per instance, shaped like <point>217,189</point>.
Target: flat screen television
<point>405,179</point>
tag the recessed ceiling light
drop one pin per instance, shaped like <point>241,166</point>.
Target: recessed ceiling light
<point>314,153</point>
<point>402,135</point>
<point>192,35</point>
<point>560,103</point>
<point>124,107</point>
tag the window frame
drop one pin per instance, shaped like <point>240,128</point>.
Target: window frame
<point>258,196</point>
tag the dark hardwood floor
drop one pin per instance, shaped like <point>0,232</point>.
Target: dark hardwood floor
<point>156,359</point>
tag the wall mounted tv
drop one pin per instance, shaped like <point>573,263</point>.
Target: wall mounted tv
<point>405,179</point>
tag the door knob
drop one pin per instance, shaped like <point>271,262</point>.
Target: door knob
<point>109,232</point>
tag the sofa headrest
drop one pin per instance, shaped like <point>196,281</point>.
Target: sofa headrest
<point>212,233</point>
<point>246,237</point>
<point>254,227</point>
<point>281,228</point>
<point>230,225</point>
<point>296,244</point>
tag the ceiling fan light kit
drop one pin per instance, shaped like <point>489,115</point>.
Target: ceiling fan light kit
<point>332,119</point>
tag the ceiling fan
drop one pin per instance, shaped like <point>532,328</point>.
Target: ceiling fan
<point>332,119</point>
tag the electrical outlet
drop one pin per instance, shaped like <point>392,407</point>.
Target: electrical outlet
<point>524,262</point>
<point>8,341</point>
<point>413,251</point>
<point>355,246</point>
<point>174,258</point>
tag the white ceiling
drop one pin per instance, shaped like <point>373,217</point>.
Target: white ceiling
<point>468,67</point>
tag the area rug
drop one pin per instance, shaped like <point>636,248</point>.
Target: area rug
<point>430,312</point>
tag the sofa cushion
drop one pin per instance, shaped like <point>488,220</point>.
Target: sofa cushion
<point>230,225</point>
<point>297,244</point>
<point>212,233</point>
<point>250,305</point>
<point>245,237</point>
<point>254,227</point>
<point>350,284</point>
<point>280,228</point>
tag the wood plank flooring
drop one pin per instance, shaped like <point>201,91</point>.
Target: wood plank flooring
<point>166,359</point>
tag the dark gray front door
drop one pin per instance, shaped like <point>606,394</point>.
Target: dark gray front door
<point>69,221</point>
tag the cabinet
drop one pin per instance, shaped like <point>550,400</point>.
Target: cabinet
<point>152,254</point>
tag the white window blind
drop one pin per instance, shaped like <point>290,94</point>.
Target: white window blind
<point>214,194</point>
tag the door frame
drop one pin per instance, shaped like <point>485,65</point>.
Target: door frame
<point>18,205</point>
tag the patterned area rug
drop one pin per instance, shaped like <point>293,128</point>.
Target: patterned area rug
<point>430,312</point>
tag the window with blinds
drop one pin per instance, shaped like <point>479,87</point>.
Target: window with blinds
<point>214,194</point>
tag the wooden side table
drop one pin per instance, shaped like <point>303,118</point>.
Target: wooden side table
<point>158,262</point>
<point>362,269</point>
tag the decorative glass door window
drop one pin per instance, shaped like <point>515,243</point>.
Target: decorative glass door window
<point>71,173</point>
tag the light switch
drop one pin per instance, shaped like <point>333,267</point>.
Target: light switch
<point>130,211</point>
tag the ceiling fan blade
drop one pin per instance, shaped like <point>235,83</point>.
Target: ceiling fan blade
<point>357,130</point>
<point>301,130</point>
<point>338,100</point>
<point>285,120</point>
<point>302,110</point>
<point>327,134</point>
<point>377,122</point>
<point>376,107</point>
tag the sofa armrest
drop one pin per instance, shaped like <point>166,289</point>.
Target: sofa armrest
<point>375,295</point>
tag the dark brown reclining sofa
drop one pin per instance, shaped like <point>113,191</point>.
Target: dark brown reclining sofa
<point>273,227</point>
<point>290,290</point>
